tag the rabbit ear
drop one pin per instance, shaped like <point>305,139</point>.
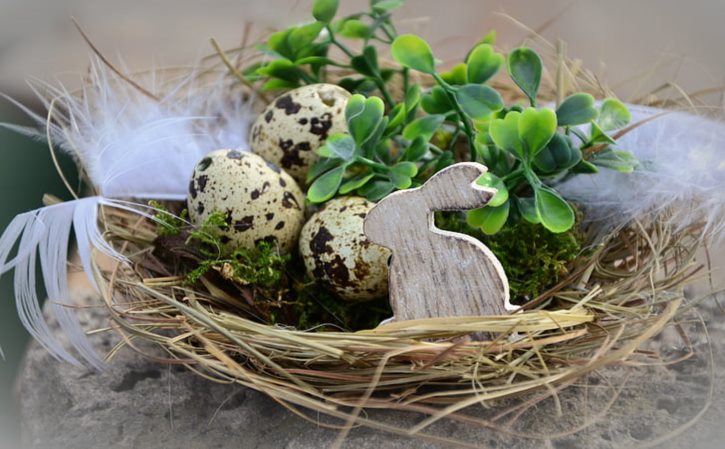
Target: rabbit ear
<point>453,188</point>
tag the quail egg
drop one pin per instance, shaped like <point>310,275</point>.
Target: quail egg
<point>338,255</point>
<point>289,131</point>
<point>260,202</point>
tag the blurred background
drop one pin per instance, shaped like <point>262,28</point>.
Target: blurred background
<point>635,47</point>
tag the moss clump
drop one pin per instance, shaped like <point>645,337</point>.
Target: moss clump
<point>533,258</point>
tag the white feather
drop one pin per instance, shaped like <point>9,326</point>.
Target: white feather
<point>682,171</point>
<point>121,136</point>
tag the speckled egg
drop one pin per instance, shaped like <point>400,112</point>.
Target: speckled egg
<point>338,255</point>
<point>295,124</point>
<point>260,201</point>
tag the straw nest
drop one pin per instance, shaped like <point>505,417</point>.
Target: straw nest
<point>621,291</point>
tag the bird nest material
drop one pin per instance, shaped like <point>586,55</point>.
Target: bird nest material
<point>621,292</point>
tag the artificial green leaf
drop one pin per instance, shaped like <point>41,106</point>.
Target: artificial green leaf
<point>412,97</point>
<point>483,63</point>
<point>456,75</point>
<point>424,127</point>
<point>505,134</point>
<point>558,155</point>
<point>364,118</point>
<point>326,185</point>
<point>283,69</point>
<point>599,136</point>
<point>367,62</point>
<point>614,115</point>
<point>376,189</point>
<point>341,146</point>
<point>489,38</point>
<point>413,52</point>
<point>576,109</point>
<point>444,160</point>
<point>355,183</point>
<point>324,10</point>
<point>621,161</point>
<point>488,179</point>
<point>354,29</point>
<point>436,101</point>
<point>321,166</point>
<point>524,67</point>
<point>315,60</point>
<point>416,150</point>
<point>401,173</point>
<point>478,101</point>
<point>396,117</point>
<point>302,37</point>
<point>489,219</point>
<point>384,6</point>
<point>585,167</point>
<point>536,128</point>
<point>279,43</point>
<point>527,209</point>
<point>554,212</point>
<point>278,84</point>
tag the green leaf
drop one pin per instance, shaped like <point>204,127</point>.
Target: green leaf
<point>505,134</point>
<point>283,69</point>
<point>621,161</point>
<point>377,189</point>
<point>436,101</point>
<point>489,219</point>
<point>384,6</point>
<point>489,38</point>
<point>557,156</point>
<point>456,75</point>
<point>326,185</point>
<point>483,63</point>
<point>488,179</point>
<point>478,101</point>
<point>527,208</point>
<point>366,63</point>
<point>302,37</point>
<point>416,150</point>
<point>401,173</point>
<point>320,167</point>
<point>324,10</point>
<point>576,109</point>
<point>354,29</point>
<point>412,97</point>
<point>341,146</point>
<point>278,84</point>
<point>536,128</point>
<point>424,127</point>
<point>355,183</point>
<point>524,67</point>
<point>279,43</point>
<point>614,115</point>
<point>396,117</point>
<point>599,136</point>
<point>585,167</point>
<point>554,212</point>
<point>413,52</point>
<point>364,117</point>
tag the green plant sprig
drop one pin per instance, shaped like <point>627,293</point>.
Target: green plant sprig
<point>392,145</point>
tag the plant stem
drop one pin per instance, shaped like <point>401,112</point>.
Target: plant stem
<point>338,44</point>
<point>371,163</point>
<point>468,128</point>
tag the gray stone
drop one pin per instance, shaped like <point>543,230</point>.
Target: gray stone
<point>137,403</point>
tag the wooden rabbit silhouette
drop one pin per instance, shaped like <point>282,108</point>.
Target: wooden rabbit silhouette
<point>436,273</point>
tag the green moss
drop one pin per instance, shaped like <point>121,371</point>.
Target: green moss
<point>168,224</point>
<point>533,258</point>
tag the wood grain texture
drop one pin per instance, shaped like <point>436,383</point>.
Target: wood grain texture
<point>436,273</point>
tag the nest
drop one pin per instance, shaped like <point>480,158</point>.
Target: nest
<point>623,291</point>
<point>620,292</point>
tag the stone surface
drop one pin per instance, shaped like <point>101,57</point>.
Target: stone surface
<point>137,403</point>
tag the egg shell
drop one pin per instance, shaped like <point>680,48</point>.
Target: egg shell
<point>259,200</point>
<point>338,255</point>
<point>290,130</point>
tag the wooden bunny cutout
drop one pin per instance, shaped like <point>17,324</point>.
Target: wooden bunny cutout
<point>436,273</point>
